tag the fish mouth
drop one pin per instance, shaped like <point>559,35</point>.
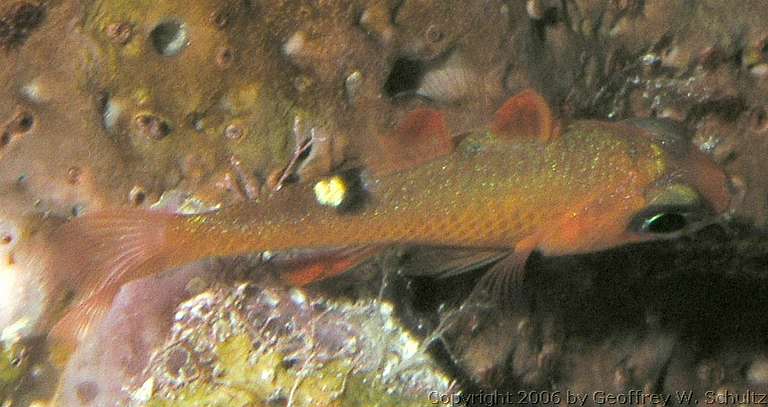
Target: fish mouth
<point>710,180</point>
<point>737,189</point>
<point>722,193</point>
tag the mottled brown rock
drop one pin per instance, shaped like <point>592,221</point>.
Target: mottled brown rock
<point>113,103</point>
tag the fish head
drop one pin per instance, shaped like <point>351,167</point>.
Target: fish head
<point>690,191</point>
<point>659,186</point>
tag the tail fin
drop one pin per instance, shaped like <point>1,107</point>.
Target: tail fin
<point>94,255</point>
<point>69,331</point>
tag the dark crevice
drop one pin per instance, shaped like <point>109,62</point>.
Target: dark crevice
<point>395,11</point>
<point>539,26</point>
<point>5,139</point>
<point>727,108</point>
<point>404,78</point>
<point>24,122</point>
<point>737,58</point>
<point>152,126</point>
<point>18,22</point>
<point>169,38</point>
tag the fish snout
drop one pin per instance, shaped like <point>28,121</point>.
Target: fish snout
<point>720,193</point>
<point>716,188</point>
<point>737,188</point>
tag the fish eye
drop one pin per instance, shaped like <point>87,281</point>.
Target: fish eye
<point>666,220</point>
<point>673,208</point>
<point>664,223</point>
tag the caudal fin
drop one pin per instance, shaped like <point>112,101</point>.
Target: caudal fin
<point>78,321</point>
<point>94,255</point>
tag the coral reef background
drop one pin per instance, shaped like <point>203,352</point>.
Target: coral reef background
<point>191,105</point>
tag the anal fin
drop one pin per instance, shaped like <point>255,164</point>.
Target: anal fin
<point>311,266</point>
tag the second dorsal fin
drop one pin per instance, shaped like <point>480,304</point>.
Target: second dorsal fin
<point>525,114</point>
<point>421,137</point>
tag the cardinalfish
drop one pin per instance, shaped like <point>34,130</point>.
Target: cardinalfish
<point>523,184</point>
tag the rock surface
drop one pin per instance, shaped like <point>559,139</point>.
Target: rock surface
<point>106,103</point>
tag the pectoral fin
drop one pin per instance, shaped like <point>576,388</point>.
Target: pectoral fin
<point>503,283</point>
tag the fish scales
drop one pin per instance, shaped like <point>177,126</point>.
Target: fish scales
<point>487,194</point>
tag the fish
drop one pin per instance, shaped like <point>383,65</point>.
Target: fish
<point>525,183</point>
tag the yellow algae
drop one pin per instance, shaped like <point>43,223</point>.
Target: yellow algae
<point>247,97</point>
<point>13,365</point>
<point>246,379</point>
<point>299,369</point>
<point>141,96</point>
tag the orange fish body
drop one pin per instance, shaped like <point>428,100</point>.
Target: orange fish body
<point>523,185</point>
<point>575,193</point>
<point>486,194</point>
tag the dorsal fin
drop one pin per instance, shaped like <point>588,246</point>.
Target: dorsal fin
<point>526,114</point>
<point>421,137</point>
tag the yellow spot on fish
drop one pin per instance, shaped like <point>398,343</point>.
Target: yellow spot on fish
<point>331,191</point>
<point>658,158</point>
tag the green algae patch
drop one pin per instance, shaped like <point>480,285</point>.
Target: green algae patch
<point>13,366</point>
<point>208,395</point>
<point>247,378</point>
<point>247,347</point>
<point>268,374</point>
